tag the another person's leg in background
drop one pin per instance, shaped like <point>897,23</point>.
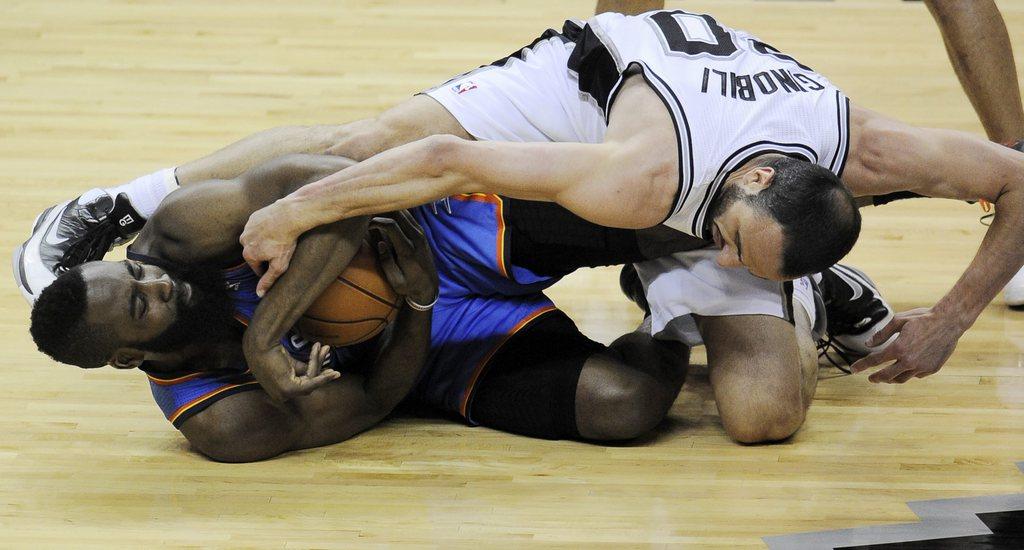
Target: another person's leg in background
<point>629,7</point>
<point>979,48</point>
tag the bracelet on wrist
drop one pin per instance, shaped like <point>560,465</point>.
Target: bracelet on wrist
<point>422,307</point>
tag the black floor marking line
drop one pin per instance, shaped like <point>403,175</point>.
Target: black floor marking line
<point>991,522</point>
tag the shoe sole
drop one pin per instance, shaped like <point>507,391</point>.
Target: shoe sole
<point>19,260</point>
<point>1015,302</point>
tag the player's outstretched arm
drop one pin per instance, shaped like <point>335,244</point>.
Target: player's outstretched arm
<point>888,156</point>
<point>630,180</point>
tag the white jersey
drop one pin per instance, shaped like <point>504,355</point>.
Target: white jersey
<point>731,96</point>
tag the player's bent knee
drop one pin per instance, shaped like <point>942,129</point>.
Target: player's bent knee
<point>765,425</point>
<point>624,408</point>
<point>770,409</point>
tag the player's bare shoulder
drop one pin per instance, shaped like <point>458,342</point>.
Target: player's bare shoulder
<point>729,97</point>
<point>198,223</point>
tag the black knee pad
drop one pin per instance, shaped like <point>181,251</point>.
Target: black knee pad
<point>529,386</point>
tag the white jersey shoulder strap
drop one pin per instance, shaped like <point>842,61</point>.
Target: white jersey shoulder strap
<point>731,97</point>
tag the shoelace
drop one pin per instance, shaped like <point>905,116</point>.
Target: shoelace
<point>92,245</point>
<point>828,347</point>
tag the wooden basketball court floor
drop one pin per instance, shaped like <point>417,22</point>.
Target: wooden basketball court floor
<point>95,92</point>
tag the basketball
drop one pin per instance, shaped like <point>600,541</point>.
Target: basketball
<point>357,305</point>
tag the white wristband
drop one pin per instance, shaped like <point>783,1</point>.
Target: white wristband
<point>147,192</point>
<point>419,307</point>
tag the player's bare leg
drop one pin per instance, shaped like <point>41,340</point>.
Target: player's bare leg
<point>411,120</point>
<point>72,225</point>
<point>629,7</point>
<point>626,390</point>
<point>979,49</point>
<point>763,371</point>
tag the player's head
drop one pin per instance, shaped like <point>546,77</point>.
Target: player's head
<point>784,218</point>
<point>123,313</point>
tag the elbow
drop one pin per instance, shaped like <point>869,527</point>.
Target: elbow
<point>231,441</point>
<point>238,434</point>
<point>254,341</point>
<point>226,447</point>
<point>380,402</point>
<point>227,454</point>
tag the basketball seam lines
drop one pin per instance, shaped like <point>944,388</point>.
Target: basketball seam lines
<point>362,290</point>
<point>336,322</point>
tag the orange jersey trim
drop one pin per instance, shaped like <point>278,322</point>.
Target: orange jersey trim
<point>500,215</point>
<point>464,405</point>
<point>174,416</point>
<point>172,381</point>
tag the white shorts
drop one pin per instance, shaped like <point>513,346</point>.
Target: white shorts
<point>692,283</point>
<point>529,96</point>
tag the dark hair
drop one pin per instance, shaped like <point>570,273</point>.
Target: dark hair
<point>819,217</point>
<point>59,328</point>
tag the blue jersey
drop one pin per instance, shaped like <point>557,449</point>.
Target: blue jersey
<point>483,301</point>
<point>182,394</point>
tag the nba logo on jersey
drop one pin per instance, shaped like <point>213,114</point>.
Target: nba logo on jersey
<point>464,87</point>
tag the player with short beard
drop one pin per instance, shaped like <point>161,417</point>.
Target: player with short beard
<point>492,348</point>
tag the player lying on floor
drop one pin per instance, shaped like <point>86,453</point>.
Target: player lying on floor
<point>170,310</point>
<point>615,89</point>
<point>763,383</point>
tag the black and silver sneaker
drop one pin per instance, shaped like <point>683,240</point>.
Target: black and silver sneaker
<point>71,233</point>
<point>854,310</point>
<point>633,288</point>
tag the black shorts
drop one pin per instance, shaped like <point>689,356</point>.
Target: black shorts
<point>529,386</point>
